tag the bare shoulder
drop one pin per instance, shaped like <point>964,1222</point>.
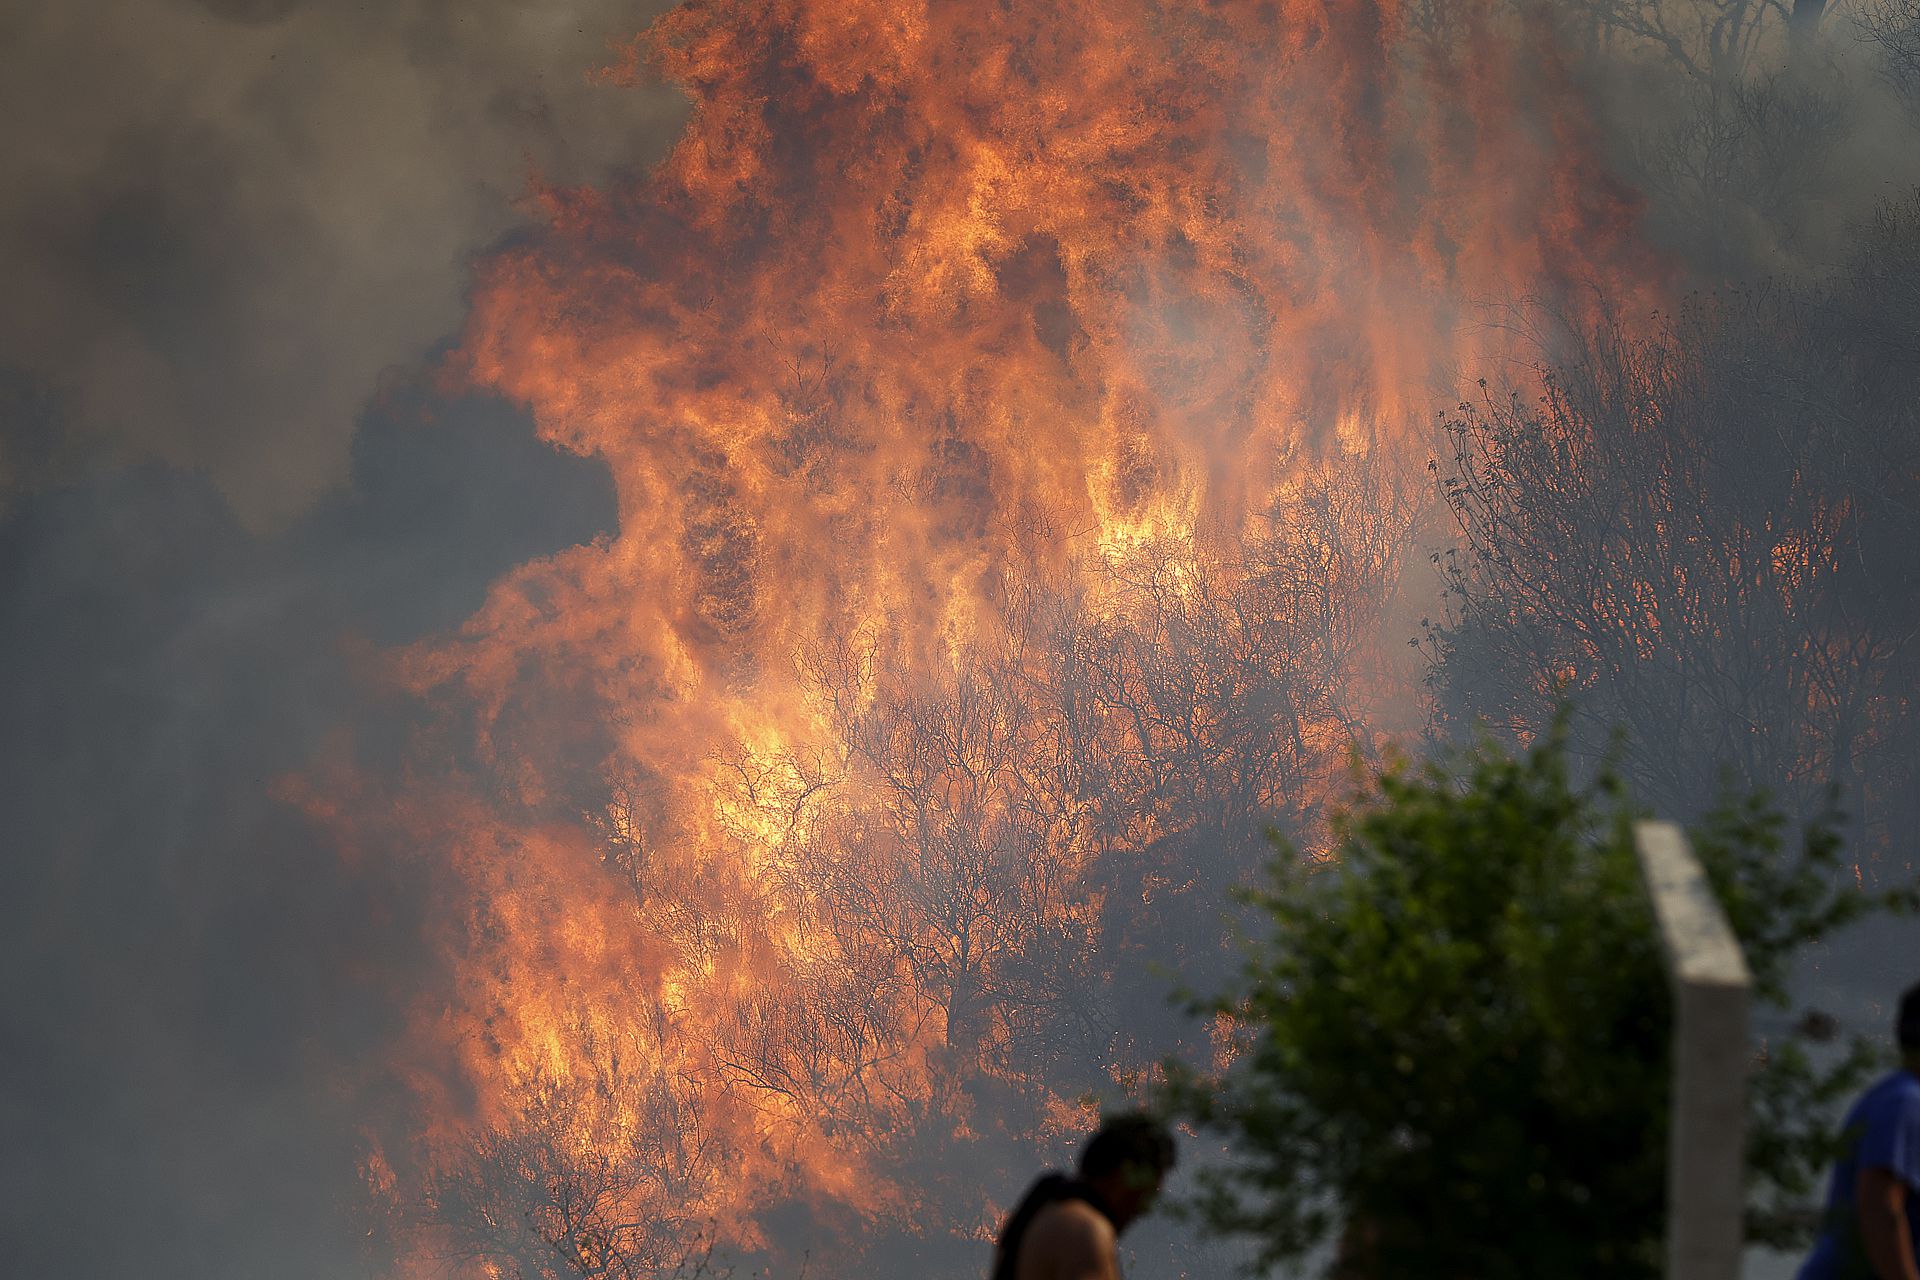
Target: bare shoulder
<point>1069,1240</point>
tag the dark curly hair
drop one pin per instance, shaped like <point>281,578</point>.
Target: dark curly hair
<point>1133,1138</point>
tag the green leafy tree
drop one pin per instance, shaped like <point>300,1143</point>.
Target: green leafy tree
<point>1452,1043</point>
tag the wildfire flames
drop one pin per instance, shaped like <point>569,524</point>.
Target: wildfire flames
<point>1017,414</point>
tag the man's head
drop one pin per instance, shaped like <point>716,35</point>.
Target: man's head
<point>1906,1027</point>
<point>1125,1161</point>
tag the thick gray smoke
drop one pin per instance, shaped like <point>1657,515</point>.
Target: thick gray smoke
<point>233,232</point>
<point>222,219</point>
<point>221,227</point>
<point>1760,132</point>
<point>191,976</point>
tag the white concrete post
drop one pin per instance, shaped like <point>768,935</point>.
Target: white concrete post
<point>1706,1152</point>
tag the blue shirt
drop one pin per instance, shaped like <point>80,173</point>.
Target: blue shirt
<point>1882,1131</point>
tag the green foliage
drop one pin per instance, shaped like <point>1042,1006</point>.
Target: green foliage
<point>1453,1043</point>
<point>1778,901</point>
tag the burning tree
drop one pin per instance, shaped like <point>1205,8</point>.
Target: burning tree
<point>1707,537</point>
<point>562,1192</point>
<point>1012,412</point>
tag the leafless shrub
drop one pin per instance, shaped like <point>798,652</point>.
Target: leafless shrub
<point>1894,26</point>
<point>554,1195</point>
<point>1707,536</point>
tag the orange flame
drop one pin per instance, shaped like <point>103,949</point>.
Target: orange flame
<point>1014,413</point>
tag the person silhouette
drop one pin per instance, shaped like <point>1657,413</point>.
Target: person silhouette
<point>1872,1225</point>
<point>1068,1228</point>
